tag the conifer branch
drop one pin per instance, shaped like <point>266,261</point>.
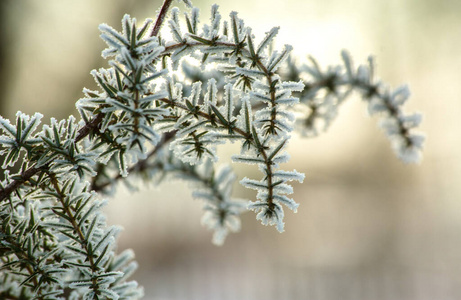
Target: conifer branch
<point>32,171</point>
<point>243,134</point>
<point>254,95</point>
<point>139,166</point>
<point>76,227</point>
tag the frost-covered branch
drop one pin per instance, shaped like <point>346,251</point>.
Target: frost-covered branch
<point>214,187</point>
<point>148,120</point>
<point>139,167</point>
<point>326,90</point>
<point>32,171</point>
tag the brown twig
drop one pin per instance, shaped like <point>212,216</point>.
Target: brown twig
<point>161,17</point>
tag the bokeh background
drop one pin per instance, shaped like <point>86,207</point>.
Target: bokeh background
<point>368,227</point>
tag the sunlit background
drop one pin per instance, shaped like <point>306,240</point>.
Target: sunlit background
<point>368,226</point>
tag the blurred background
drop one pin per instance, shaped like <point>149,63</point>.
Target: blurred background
<point>368,226</point>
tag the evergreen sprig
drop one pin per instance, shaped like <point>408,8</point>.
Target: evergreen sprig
<point>156,115</point>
